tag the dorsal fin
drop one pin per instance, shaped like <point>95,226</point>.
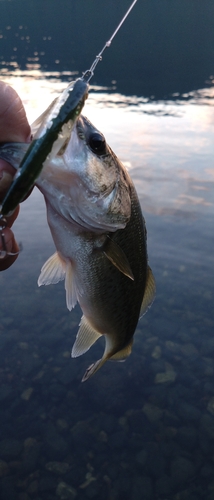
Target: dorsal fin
<point>117,257</point>
<point>85,338</point>
<point>149,293</point>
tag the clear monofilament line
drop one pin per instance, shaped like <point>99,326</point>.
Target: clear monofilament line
<point>89,72</point>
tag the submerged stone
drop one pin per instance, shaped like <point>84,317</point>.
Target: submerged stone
<point>4,469</point>
<point>152,412</point>
<point>27,394</point>
<point>57,467</point>
<point>210,406</point>
<point>65,492</point>
<point>10,448</point>
<point>182,470</point>
<point>163,377</point>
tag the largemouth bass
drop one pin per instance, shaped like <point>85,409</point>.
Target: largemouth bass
<point>99,232</point>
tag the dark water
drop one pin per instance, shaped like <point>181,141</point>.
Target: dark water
<point>143,429</point>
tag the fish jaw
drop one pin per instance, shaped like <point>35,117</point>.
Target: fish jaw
<point>84,187</point>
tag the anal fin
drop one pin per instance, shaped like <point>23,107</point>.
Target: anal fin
<point>86,337</point>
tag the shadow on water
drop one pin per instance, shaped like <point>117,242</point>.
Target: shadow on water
<point>143,429</point>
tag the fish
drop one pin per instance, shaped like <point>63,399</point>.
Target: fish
<point>99,232</point>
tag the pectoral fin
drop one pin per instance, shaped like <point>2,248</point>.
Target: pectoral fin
<point>117,257</point>
<point>85,338</point>
<point>52,271</point>
<point>56,269</point>
<point>149,293</point>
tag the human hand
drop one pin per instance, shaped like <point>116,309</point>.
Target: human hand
<point>14,127</point>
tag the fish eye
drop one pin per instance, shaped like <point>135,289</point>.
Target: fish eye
<point>97,143</point>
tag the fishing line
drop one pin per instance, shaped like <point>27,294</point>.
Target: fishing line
<point>89,72</point>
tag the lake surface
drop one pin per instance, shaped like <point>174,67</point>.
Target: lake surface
<point>143,429</point>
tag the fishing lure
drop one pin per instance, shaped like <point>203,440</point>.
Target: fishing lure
<point>63,110</point>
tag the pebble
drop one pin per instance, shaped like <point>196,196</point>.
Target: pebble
<point>188,412</point>
<point>210,406</point>
<point>5,393</point>
<point>152,412</point>
<point>141,458</point>
<point>168,376</point>
<point>57,467</point>
<point>142,489</point>
<point>4,468</point>
<point>10,449</point>
<point>65,492</point>
<point>27,393</point>
<point>157,352</point>
<point>182,470</point>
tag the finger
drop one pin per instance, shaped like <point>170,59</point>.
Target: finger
<point>11,246</point>
<point>14,126</point>
<point>6,177</point>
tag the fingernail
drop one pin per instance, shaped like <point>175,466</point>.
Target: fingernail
<point>5,181</point>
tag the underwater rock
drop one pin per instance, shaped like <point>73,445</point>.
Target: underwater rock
<point>47,483</point>
<point>57,467</point>
<point>65,492</point>
<point>142,489</point>
<point>210,406</point>
<point>23,496</point>
<point>141,458</point>
<point>7,490</point>
<point>163,486</point>
<point>27,394</point>
<point>207,425</point>
<point>62,424</point>
<point>117,439</point>
<point>5,392</point>
<point>155,459</point>
<point>168,376</point>
<point>190,351</point>
<point>188,412</point>
<point>152,412</point>
<point>182,470</point>
<point>187,437</point>
<point>4,469</point>
<point>55,445</point>
<point>10,448</point>
<point>30,455</point>
<point>157,352</point>
<point>33,487</point>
